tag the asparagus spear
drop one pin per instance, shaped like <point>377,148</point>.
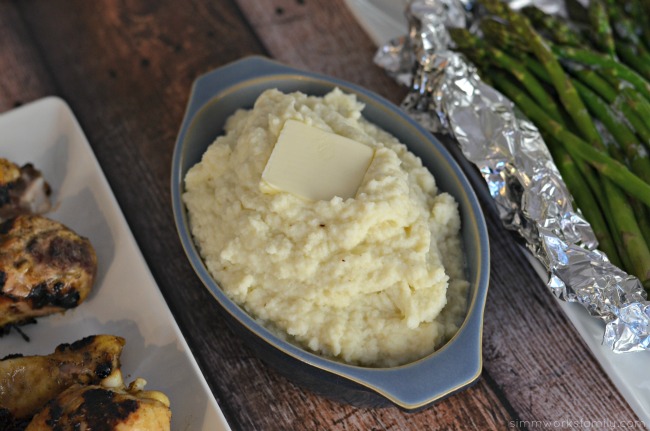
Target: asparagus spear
<point>612,170</point>
<point>610,244</point>
<point>483,54</point>
<point>641,105</point>
<point>609,94</point>
<point>600,61</point>
<point>563,85</point>
<point>600,28</point>
<point>636,102</point>
<point>554,27</point>
<point>559,32</point>
<point>577,147</point>
<point>643,218</point>
<point>634,57</point>
<point>629,218</point>
<point>637,123</point>
<point>639,162</point>
<point>584,198</point>
<point>604,88</point>
<point>634,107</point>
<point>577,12</point>
<point>641,13</point>
<point>639,212</point>
<point>630,233</point>
<point>591,78</point>
<point>497,33</point>
<point>623,26</point>
<point>626,105</point>
<point>623,216</point>
<point>514,39</point>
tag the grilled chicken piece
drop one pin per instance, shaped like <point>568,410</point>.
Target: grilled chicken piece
<point>27,383</point>
<point>98,407</point>
<point>44,268</point>
<point>22,190</point>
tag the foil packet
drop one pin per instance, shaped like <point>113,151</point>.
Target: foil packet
<point>447,96</point>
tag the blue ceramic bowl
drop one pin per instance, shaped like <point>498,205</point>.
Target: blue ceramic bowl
<point>215,96</point>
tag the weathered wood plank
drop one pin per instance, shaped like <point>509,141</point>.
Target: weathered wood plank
<point>320,36</point>
<point>126,68</point>
<point>23,77</point>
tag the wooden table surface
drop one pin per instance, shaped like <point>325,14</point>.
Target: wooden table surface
<point>126,66</point>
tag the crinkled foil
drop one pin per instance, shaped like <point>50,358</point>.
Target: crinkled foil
<point>447,96</point>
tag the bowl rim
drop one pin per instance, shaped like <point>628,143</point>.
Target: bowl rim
<point>207,90</point>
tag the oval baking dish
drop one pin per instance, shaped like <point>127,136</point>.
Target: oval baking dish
<point>456,365</point>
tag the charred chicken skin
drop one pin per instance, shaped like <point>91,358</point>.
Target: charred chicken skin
<point>27,383</point>
<point>102,408</point>
<point>44,268</point>
<point>22,190</point>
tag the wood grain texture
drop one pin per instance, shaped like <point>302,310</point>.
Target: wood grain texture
<point>126,67</point>
<point>320,36</point>
<point>23,77</point>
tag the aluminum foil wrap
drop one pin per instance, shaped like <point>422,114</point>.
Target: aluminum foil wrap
<point>447,96</point>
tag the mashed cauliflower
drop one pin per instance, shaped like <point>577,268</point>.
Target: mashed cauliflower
<point>375,280</point>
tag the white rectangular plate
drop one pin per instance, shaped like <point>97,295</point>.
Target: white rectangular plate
<point>125,300</point>
<point>382,19</point>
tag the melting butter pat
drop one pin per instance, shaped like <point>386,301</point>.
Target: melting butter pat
<point>314,164</point>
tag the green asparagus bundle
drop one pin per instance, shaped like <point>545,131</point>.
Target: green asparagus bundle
<point>586,86</point>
